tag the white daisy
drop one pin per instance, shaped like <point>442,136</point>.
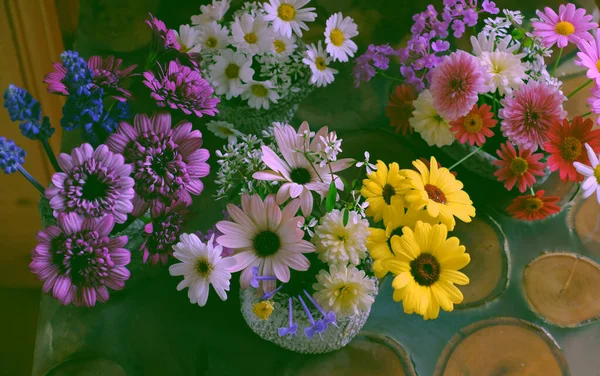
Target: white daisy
<point>344,290</point>
<point>591,173</point>
<point>211,12</point>
<point>229,71</point>
<point>484,43</point>
<point>251,35</point>
<point>187,37</point>
<point>426,120</point>
<point>223,129</point>
<point>318,61</point>
<point>338,32</point>
<point>213,36</point>
<point>283,46</point>
<point>201,266</point>
<point>341,244</point>
<point>288,14</point>
<point>259,94</point>
<point>505,71</point>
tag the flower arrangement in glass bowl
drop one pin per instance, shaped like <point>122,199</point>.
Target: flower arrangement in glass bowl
<point>497,107</point>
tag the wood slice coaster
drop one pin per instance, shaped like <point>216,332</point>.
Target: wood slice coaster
<point>584,220</point>
<point>562,288</point>
<point>369,353</point>
<point>502,346</point>
<point>488,269</point>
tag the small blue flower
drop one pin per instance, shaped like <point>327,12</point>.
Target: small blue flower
<point>119,112</point>
<point>21,105</point>
<point>11,156</point>
<point>36,131</point>
<point>82,111</point>
<point>78,78</point>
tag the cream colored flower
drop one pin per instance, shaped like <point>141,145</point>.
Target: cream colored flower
<point>426,120</point>
<point>339,244</point>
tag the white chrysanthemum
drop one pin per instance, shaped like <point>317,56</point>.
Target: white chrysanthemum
<point>426,120</point>
<point>288,15</point>
<point>213,36</point>
<point>591,174</point>
<point>339,244</point>
<point>344,290</point>
<point>318,61</point>
<point>187,37</point>
<point>259,94</point>
<point>283,46</point>
<point>505,71</point>
<point>211,12</point>
<point>252,35</point>
<point>201,266</point>
<point>223,129</point>
<point>338,33</point>
<point>229,72</point>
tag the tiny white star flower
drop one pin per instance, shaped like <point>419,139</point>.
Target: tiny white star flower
<point>369,166</point>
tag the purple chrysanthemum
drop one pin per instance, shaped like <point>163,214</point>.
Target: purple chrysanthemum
<point>78,262</point>
<point>183,88</point>
<point>167,162</point>
<point>163,232</point>
<point>167,36</point>
<point>93,183</point>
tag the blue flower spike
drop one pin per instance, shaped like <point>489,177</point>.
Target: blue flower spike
<point>292,326</point>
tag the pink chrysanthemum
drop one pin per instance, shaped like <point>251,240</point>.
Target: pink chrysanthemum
<point>93,183</point>
<point>167,162</point>
<point>106,74</point>
<point>518,169</point>
<point>168,37</point>
<point>162,233</point>
<point>295,171</point>
<point>266,237</point>
<point>589,57</point>
<point>78,262</point>
<point>528,115</point>
<point>569,25</point>
<point>183,88</point>
<point>455,84</point>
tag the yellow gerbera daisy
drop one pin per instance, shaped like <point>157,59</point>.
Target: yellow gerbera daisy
<point>426,265</point>
<point>382,189</point>
<point>439,192</point>
<point>378,242</point>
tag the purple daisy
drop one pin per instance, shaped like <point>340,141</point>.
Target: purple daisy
<point>106,74</point>
<point>168,36</point>
<point>78,262</point>
<point>183,88</point>
<point>163,232</point>
<point>93,183</point>
<point>167,162</point>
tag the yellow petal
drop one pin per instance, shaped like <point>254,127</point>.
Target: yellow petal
<point>442,297</point>
<point>420,166</point>
<point>395,266</point>
<point>454,276</point>
<point>455,263</point>
<point>451,291</point>
<point>402,280</point>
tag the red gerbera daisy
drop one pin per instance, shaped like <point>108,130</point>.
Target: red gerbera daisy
<point>533,207</point>
<point>475,126</point>
<point>400,108</point>
<point>518,169</point>
<point>565,146</point>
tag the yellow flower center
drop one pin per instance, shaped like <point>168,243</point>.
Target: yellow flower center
<point>337,37</point>
<point>212,42</point>
<point>533,204</point>
<point>344,291</point>
<point>263,309</point>
<point>259,90</point>
<point>435,194</point>
<point>203,267</point>
<point>564,28</point>
<point>425,269</point>
<point>473,123</point>
<point>250,38</point>
<point>321,63</point>
<point>279,46</point>
<point>519,166</point>
<point>286,12</point>
<point>598,65</point>
<point>570,149</point>
<point>388,192</point>
<point>226,131</point>
<point>232,71</point>
<point>597,173</point>
<point>183,48</point>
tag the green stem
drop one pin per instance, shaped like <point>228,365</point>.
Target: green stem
<point>492,98</point>
<point>579,88</point>
<point>390,77</point>
<point>586,114</point>
<point>31,179</point>
<point>50,153</point>
<point>465,157</point>
<point>532,191</point>
<point>556,62</point>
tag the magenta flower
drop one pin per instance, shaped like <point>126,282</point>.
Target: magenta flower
<point>93,183</point>
<point>168,37</point>
<point>569,25</point>
<point>167,162</point>
<point>106,74</point>
<point>589,57</point>
<point>456,83</point>
<point>528,115</point>
<point>183,88</point>
<point>78,262</point>
<point>163,232</point>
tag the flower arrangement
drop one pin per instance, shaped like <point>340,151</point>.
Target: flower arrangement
<point>498,102</point>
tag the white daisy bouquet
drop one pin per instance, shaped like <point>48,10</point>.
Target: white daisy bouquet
<point>495,104</point>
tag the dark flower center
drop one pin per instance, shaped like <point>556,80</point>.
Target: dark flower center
<point>425,269</point>
<point>519,166</point>
<point>266,243</point>
<point>232,71</point>
<point>388,192</point>
<point>160,162</point>
<point>203,267</point>
<point>533,204</point>
<point>570,149</point>
<point>457,84</point>
<point>435,193</point>
<point>94,188</point>
<point>300,175</point>
<point>532,119</point>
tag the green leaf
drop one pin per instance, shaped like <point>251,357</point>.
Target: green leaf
<point>346,213</point>
<point>517,34</point>
<point>331,195</point>
<point>527,43</point>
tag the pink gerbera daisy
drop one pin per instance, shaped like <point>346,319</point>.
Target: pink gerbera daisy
<point>475,126</point>
<point>455,84</point>
<point>295,170</point>
<point>589,57</point>
<point>569,25</point>
<point>528,115</point>
<point>519,169</point>
<point>266,237</point>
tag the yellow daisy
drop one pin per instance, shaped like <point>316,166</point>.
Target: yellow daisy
<point>382,189</point>
<point>426,265</point>
<point>437,190</point>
